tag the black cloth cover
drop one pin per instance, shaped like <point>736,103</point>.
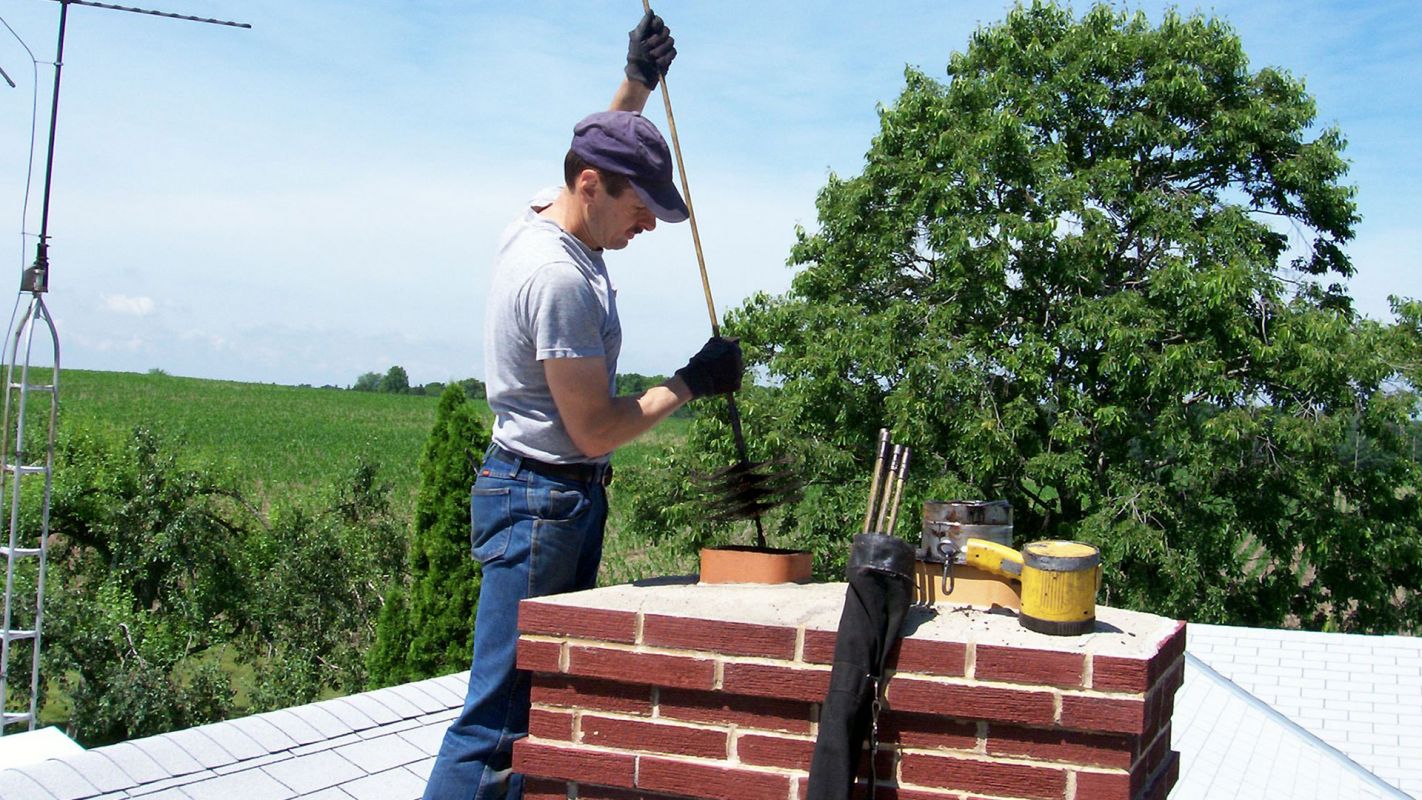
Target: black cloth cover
<point>880,576</point>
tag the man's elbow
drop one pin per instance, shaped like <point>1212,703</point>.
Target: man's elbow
<point>591,443</point>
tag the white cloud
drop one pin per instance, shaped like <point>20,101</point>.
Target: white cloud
<point>132,306</point>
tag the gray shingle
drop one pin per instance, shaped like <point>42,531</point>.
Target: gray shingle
<point>60,779</point>
<point>396,702</point>
<point>291,724</point>
<point>326,744</point>
<point>421,769</point>
<point>133,762</point>
<point>316,771</point>
<point>230,738</point>
<point>196,743</point>
<point>427,738</point>
<point>253,763</point>
<point>15,785</point>
<point>172,759</point>
<point>378,755</point>
<point>392,785</point>
<point>266,735</point>
<point>250,784</point>
<point>448,691</point>
<point>173,786</point>
<point>349,713</point>
<point>100,771</point>
<point>411,693</point>
<point>326,723</point>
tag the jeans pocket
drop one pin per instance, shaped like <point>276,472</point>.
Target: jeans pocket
<point>490,523</point>
<point>562,504</point>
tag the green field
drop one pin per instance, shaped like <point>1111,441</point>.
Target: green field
<point>285,442</point>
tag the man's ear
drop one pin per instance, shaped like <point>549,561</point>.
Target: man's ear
<point>585,186</point>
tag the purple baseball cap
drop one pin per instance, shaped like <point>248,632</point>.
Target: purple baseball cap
<point>628,144</point>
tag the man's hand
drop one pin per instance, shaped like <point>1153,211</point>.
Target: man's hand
<point>650,50</point>
<point>716,369</point>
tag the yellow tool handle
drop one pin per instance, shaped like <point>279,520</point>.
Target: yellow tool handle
<point>993,557</point>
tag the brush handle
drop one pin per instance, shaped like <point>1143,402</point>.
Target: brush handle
<point>690,210</point>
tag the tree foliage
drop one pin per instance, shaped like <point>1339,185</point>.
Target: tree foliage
<point>427,626</point>
<point>163,580</point>
<point>1098,273</point>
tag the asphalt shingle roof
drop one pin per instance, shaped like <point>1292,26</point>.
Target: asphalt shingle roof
<point>376,745</point>
<point>1360,694</point>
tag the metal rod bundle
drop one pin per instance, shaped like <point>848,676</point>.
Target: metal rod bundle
<point>886,488</point>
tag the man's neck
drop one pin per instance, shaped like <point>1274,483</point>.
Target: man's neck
<point>566,213</point>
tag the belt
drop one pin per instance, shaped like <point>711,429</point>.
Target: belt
<point>583,473</point>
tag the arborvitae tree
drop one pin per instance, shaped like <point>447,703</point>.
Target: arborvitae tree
<point>426,628</point>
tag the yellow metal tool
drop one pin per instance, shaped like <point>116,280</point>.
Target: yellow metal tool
<point>1059,581</point>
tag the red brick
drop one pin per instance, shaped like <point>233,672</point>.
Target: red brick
<point>895,793</point>
<point>545,724</point>
<point>553,619</point>
<point>1171,650</point>
<point>544,760</point>
<point>930,657</point>
<point>1055,744</point>
<point>1120,674</point>
<point>819,646</point>
<point>991,703</point>
<point>986,777</point>
<point>538,656</point>
<point>927,731</point>
<point>763,713</point>
<point>631,734</point>
<point>1106,785</point>
<point>589,792</point>
<point>730,638</point>
<point>1103,714</point>
<point>682,672</point>
<point>775,751</point>
<point>708,781</point>
<point>590,694</point>
<point>765,680</point>
<point>545,789</point>
<point>1040,667</point>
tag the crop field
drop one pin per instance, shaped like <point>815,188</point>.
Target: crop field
<point>285,442</point>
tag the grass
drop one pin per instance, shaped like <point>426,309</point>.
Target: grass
<point>286,442</point>
<point>279,441</point>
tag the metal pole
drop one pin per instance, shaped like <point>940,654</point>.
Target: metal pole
<point>36,278</point>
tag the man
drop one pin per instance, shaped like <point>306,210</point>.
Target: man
<point>551,340</point>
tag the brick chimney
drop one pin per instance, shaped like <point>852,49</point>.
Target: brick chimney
<point>712,691</point>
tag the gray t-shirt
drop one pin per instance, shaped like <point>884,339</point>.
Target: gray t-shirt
<point>551,297</point>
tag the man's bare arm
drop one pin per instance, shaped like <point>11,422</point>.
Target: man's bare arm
<point>631,96</point>
<point>598,423</point>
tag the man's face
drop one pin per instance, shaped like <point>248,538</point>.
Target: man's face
<point>613,221</point>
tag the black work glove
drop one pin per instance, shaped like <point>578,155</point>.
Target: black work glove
<point>716,369</point>
<point>650,50</point>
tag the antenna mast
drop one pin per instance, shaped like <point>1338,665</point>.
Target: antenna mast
<point>27,386</point>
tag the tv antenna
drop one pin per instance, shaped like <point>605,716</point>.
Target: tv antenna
<point>22,463</point>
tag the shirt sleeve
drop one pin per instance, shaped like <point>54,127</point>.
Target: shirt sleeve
<point>564,314</point>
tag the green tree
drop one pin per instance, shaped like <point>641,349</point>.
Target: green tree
<point>1096,273</point>
<point>396,381</point>
<point>368,382</point>
<point>426,627</point>
<point>146,576</point>
<point>161,577</point>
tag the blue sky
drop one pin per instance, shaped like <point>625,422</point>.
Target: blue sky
<point>319,196</point>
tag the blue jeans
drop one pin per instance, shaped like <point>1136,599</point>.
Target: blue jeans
<point>535,536</point>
